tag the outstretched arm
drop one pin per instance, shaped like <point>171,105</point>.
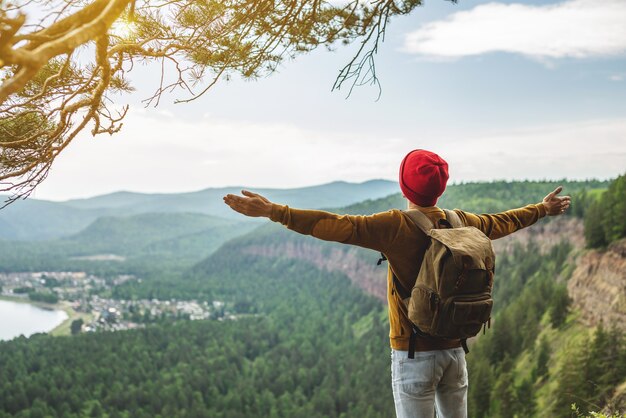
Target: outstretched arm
<point>501,224</point>
<point>375,231</point>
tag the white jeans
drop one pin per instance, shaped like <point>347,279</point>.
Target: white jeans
<point>433,380</point>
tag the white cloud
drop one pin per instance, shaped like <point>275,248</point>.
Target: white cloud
<point>159,153</point>
<point>575,28</point>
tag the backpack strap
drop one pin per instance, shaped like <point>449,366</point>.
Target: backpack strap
<point>398,287</point>
<point>453,218</point>
<point>421,220</point>
<point>464,345</point>
<point>425,224</point>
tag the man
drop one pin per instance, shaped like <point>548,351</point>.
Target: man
<point>436,379</point>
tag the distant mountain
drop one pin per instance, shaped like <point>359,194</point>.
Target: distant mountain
<point>209,201</point>
<point>138,233</point>
<point>124,243</point>
<point>33,219</point>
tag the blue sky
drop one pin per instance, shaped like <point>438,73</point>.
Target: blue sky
<point>502,90</point>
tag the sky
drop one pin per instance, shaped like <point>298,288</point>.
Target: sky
<point>501,90</point>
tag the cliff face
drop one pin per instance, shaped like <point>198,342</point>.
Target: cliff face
<point>598,286</point>
<point>546,233</point>
<point>364,274</point>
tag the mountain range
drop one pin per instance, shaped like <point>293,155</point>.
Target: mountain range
<point>33,219</point>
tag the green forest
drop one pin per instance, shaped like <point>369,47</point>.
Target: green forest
<point>306,342</point>
<point>302,354</point>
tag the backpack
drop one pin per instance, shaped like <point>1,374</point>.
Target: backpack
<point>451,297</point>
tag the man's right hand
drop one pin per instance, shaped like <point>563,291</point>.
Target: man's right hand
<point>250,204</point>
<point>556,205</point>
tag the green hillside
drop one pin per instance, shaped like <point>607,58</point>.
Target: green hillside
<point>131,235</point>
<point>40,220</point>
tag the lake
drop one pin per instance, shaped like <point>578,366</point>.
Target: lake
<point>23,318</point>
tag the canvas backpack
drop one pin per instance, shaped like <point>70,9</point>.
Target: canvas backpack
<point>451,297</point>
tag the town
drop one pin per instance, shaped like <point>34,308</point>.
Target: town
<point>83,293</point>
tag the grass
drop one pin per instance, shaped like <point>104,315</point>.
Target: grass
<point>17,300</point>
<point>65,327</point>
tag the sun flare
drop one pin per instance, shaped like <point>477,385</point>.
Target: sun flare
<point>124,29</point>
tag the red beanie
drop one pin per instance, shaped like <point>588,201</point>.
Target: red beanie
<point>423,177</point>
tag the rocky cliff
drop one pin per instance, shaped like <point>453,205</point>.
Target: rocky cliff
<point>546,233</point>
<point>598,286</point>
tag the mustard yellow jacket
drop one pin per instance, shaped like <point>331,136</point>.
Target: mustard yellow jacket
<point>395,235</point>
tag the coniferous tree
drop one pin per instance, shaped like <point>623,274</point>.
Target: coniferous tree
<point>603,365</point>
<point>524,399</point>
<point>502,338</point>
<point>559,306</point>
<point>571,384</point>
<point>482,380</point>
<point>580,203</point>
<point>76,326</point>
<point>614,205</point>
<point>543,357</point>
<point>45,86</point>
<point>503,393</point>
<point>604,220</point>
<point>594,228</point>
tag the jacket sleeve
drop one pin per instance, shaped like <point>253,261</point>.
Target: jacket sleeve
<point>502,224</point>
<point>375,232</point>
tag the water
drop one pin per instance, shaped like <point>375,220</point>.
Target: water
<point>22,318</point>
